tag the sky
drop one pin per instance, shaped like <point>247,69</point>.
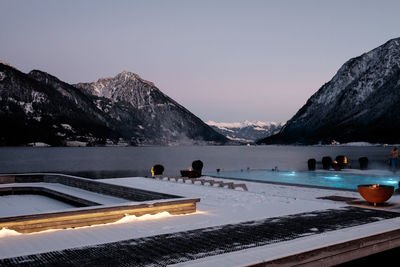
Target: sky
<point>223,60</point>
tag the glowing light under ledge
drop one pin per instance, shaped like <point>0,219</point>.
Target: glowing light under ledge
<point>7,232</point>
<point>4,232</point>
<point>391,182</point>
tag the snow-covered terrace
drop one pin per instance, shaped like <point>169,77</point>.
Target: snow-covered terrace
<point>218,206</point>
<point>98,202</point>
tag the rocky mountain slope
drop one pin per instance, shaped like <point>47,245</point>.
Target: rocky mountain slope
<point>360,103</point>
<point>247,131</point>
<point>38,107</point>
<point>138,107</point>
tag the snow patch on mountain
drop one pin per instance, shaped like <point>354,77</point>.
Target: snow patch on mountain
<point>246,123</point>
<point>247,131</point>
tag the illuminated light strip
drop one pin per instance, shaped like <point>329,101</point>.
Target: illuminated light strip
<point>87,217</point>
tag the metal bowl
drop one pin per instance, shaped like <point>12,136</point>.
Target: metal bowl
<point>376,194</point>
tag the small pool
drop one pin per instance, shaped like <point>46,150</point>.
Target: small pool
<point>320,179</point>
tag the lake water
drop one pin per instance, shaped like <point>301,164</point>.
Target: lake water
<point>99,162</point>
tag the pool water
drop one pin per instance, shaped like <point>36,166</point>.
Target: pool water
<point>320,179</point>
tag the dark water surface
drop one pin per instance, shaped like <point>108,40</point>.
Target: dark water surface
<point>98,162</point>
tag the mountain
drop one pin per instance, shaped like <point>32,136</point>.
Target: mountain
<point>144,114</point>
<point>50,111</point>
<point>38,107</point>
<point>360,103</point>
<point>246,131</point>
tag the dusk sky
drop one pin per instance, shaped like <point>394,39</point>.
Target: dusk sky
<point>223,60</point>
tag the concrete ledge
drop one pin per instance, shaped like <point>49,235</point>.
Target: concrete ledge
<point>91,216</point>
<point>339,253</point>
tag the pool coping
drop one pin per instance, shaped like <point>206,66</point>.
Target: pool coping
<point>288,184</point>
<point>300,185</point>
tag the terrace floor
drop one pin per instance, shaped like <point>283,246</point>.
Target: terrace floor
<point>230,228</point>
<point>162,250</point>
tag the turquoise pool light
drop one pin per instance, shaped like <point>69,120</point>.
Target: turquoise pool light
<point>319,179</point>
<point>289,174</point>
<point>333,177</point>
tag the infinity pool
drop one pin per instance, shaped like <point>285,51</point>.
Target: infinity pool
<point>320,179</point>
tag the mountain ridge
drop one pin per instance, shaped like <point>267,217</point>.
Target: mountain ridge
<point>130,110</point>
<point>357,104</point>
<point>142,99</point>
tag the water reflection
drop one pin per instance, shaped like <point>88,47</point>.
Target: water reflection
<point>106,162</point>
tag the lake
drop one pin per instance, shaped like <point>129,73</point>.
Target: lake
<point>101,162</point>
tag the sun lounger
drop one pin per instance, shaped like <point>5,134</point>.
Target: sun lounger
<point>229,185</point>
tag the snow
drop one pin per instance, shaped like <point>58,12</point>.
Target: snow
<point>218,206</point>
<point>357,76</point>
<point>246,123</point>
<point>73,191</point>
<point>28,108</point>
<point>2,76</point>
<point>66,126</point>
<point>359,144</point>
<point>239,139</point>
<point>39,144</point>
<point>38,97</point>
<point>259,129</point>
<point>246,131</point>
<point>15,205</point>
<point>98,103</point>
<point>76,143</point>
<point>287,248</point>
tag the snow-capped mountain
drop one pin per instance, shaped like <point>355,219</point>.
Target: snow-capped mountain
<point>146,115</point>
<point>360,103</point>
<point>38,107</point>
<point>246,131</point>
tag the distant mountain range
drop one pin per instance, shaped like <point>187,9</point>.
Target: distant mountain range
<point>246,131</point>
<point>360,103</point>
<point>125,109</point>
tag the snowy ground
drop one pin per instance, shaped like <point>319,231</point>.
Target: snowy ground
<point>218,206</point>
<point>14,205</point>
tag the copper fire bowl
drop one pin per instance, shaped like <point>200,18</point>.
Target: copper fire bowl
<point>376,193</point>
